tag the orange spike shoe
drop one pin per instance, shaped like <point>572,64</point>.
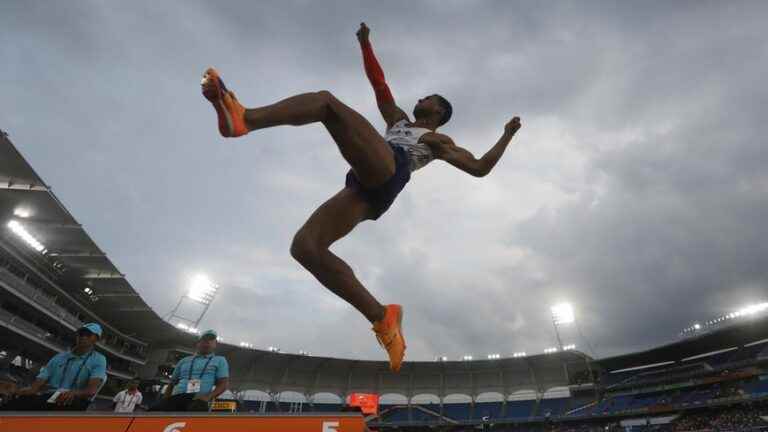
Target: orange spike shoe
<point>229,111</point>
<point>389,333</point>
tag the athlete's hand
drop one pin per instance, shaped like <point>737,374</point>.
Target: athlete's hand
<point>512,126</point>
<point>363,32</point>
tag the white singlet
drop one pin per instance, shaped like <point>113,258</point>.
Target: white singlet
<point>403,135</point>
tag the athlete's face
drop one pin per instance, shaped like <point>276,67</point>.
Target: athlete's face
<point>427,106</point>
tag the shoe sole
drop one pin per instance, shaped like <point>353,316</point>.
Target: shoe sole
<point>400,331</point>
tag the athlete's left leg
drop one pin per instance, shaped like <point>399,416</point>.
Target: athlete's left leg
<point>333,220</point>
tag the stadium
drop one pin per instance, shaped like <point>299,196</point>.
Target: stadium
<point>54,278</point>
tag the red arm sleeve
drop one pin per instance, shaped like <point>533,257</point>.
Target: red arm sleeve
<point>376,75</point>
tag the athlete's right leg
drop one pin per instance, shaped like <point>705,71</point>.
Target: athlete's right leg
<point>370,157</point>
<point>360,144</point>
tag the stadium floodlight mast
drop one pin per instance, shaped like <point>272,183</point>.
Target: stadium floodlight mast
<point>562,314</point>
<point>201,291</point>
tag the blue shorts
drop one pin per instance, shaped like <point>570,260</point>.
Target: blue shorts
<point>382,196</point>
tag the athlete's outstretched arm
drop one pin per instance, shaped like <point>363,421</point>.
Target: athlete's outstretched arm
<point>384,99</point>
<point>444,148</point>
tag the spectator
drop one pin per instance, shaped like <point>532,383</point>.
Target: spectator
<point>739,417</point>
<point>69,381</point>
<point>196,380</point>
<point>126,400</point>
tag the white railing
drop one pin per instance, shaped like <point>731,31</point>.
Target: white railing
<point>49,303</point>
<point>39,297</point>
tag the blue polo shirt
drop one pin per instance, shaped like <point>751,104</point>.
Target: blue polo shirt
<point>206,368</point>
<point>69,371</point>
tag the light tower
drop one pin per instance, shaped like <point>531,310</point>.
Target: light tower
<point>562,313</point>
<point>201,292</point>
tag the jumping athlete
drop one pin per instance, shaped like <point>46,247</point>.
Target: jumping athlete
<point>380,168</point>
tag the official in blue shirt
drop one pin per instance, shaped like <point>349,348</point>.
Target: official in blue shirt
<point>196,380</point>
<point>69,381</point>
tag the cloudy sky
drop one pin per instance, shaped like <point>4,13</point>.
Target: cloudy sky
<point>636,189</point>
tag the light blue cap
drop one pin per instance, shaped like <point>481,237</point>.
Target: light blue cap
<point>209,333</point>
<point>93,328</point>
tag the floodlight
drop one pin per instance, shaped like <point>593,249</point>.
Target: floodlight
<point>494,356</point>
<point>22,212</point>
<point>697,326</point>
<point>187,328</point>
<point>569,347</point>
<point>562,313</point>
<point>246,345</point>
<point>441,358</point>
<point>753,309</point>
<point>273,349</point>
<point>467,358</point>
<point>20,231</point>
<point>304,353</point>
<point>550,350</point>
<point>519,354</point>
<point>202,290</point>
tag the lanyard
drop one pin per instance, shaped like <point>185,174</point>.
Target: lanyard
<point>192,367</point>
<point>66,368</point>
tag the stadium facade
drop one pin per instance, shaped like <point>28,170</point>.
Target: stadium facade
<point>54,277</point>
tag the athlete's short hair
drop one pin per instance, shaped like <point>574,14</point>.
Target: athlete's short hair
<point>447,109</point>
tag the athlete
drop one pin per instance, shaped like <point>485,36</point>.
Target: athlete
<point>380,168</point>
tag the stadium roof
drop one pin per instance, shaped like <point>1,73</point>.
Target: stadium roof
<point>738,334</point>
<point>67,242</point>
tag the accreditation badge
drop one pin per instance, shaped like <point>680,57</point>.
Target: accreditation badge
<point>55,395</point>
<point>193,386</point>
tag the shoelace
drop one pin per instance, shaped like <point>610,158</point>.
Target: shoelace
<point>385,339</point>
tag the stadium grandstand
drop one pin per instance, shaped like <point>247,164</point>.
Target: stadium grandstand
<point>54,278</point>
